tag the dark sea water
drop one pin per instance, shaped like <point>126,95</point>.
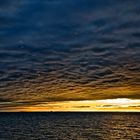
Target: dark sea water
<point>69,126</point>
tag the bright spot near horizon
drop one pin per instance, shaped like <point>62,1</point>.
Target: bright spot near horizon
<point>119,101</point>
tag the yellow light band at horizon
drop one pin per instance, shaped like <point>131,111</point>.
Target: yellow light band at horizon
<point>111,105</point>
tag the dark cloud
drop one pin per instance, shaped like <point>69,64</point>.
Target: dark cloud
<point>135,106</point>
<point>81,106</point>
<point>107,106</point>
<point>69,50</point>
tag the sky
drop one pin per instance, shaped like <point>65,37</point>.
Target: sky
<point>70,55</point>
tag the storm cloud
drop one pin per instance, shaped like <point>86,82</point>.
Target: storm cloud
<point>69,50</point>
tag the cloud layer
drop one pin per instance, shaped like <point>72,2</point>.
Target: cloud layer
<point>69,50</point>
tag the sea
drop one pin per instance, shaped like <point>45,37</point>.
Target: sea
<point>70,126</point>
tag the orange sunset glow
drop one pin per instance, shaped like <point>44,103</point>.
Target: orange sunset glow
<point>120,105</point>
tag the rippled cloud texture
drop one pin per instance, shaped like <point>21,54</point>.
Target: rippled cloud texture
<point>68,50</point>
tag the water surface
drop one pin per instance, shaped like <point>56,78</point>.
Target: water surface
<point>70,126</point>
